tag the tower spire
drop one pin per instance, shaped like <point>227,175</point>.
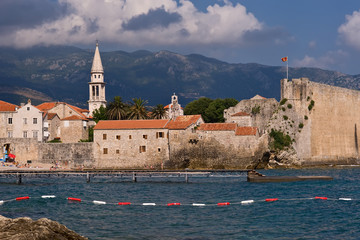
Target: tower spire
<point>97,84</point>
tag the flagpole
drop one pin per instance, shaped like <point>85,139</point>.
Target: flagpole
<point>287,68</point>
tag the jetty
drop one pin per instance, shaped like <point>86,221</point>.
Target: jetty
<point>254,176</point>
<point>133,175</point>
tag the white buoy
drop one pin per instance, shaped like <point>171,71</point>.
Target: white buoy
<point>148,204</point>
<point>345,199</point>
<point>48,196</point>
<point>198,204</point>
<point>99,202</point>
<point>247,202</point>
<point>1,202</point>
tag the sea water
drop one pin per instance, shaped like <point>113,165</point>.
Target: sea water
<point>296,215</point>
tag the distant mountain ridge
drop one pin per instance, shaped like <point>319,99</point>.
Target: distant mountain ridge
<point>62,73</point>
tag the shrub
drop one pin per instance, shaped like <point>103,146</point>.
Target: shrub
<point>280,140</point>
<point>285,117</point>
<point>311,105</point>
<point>289,106</point>
<point>55,140</point>
<point>308,98</point>
<point>283,109</point>
<point>306,117</point>
<point>283,101</point>
<point>301,125</point>
<point>255,110</point>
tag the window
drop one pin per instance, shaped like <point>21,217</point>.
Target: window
<point>129,136</point>
<point>95,76</point>
<point>25,134</point>
<point>34,120</point>
<point>99,76</point>
<point>144,136</point>
<point>9,120</point>
<point>66,123</point>
<point>118,137</point>
<point>142,149</point>
<point>28,108</point>
<point>25,120</point>
<point>117,151</point>
<point>105,151</point>
<point>10,134</point>
<point>104,136</point>
<point>175,136</point>
<point>160,135</point>
<point>35,134</point>
<point>159,149</point>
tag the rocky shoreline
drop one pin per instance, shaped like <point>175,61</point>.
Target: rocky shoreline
<point>25,228</point>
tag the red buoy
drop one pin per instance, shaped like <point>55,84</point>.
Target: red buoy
<point>271,199</point>
<point>173,204</point>
<point>124,203</point>
<point>22,198</point>
<point>74,199</point>
<point>223,203</point>
<point>322,198</point>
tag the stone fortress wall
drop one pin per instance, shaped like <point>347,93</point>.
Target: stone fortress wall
<point>330,117</point>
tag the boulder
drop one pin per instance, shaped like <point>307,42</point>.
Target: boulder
<point>25,228</point>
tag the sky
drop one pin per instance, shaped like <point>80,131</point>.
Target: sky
<point>312,33</point>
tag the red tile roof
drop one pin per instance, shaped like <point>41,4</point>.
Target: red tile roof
<point>7,107</point>
<point>183,122</point>
<point>131,124</point>
<point>240,114</point>
<point>74,117</point>
<point>49,105</point>
<point>51,116</point>
<point>244,131</point>
<point>217,127</point>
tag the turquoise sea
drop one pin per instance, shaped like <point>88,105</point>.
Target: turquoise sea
<point>296,215</point>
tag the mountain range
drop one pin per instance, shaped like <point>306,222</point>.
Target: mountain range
<point>62,73</point>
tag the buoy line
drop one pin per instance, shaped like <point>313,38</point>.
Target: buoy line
<point>243,202</point>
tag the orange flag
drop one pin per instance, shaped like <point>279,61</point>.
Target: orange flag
<point>284,59</point>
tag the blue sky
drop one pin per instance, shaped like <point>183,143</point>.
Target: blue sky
<point>312,33</point>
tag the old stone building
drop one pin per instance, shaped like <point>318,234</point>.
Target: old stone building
<point>259,109</point>
<point>131,143</point>
<point>73,125</point>
<point>7,111</point>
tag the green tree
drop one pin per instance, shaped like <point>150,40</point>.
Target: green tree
<point>198,106</point>
<point>116,110</point>
<point>210,110</point>
<point>99,114</point>
<point>137,109</point>
<point>158,112</point>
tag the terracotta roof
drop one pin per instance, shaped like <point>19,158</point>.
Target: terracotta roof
<point>7,107</point>
<point>217,127</point>
<point>51,116</point>
<point>49,105</point>
<point>183,122</point>
<point>74,117</point>
<point>240,114</point>
<point>243,131</point>
<point>131,124</point>
<point>46,106</point>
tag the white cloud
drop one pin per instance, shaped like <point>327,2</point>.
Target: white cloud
<point>328,61</point>
<point>174,24</point>
<point>350,30</point>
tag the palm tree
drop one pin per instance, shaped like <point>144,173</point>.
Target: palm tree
<point>138,110</point>
<point>158,112</point>
<point>116,110</point>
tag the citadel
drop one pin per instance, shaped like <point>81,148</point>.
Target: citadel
<point>321,121</point>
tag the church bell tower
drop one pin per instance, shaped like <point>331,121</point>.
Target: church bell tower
<point>97,84</point>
